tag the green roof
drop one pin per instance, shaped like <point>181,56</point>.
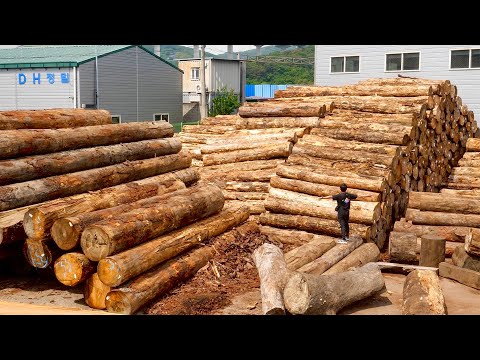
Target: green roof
<point>47,56</point>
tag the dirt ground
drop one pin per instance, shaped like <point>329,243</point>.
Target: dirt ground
<point>228,285</point>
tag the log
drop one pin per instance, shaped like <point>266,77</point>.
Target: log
<point>260,153</point>
<point>95,292</point>
<point>331,257</point>
<point>16,143</point>
<point>312,224</point>
<point>244,176</point>
<point>66,231</point>
<point>450,247</point>
<point>308,252</point>
<point>254,206</point>
<point>362,255</point>
<point>247,186</point>
<point>402,247</point>
<point>273,273</point>
<point>40,166</point>
<point>121,232</point>
<point>41,254</point>
<point>449,219</point>
<point>402,268</point>
<point>52,118</point>
<point>187,129</point>
<point>432,250</point>
<point>157,281</point>
<point>11,226</point>
<point>472,241</point>
<point>309,294</point>
<point>244,196</point>
<point>422,294</point>
<point>310,188</point>
<point>288,237</point>
<point>233,146</point>
<point>73,268</point>
<point>361,133</point>
<point>241,166</point>
<point>449,233</point>
<point>290,134</point>
<point>364,117</point>
<point>116,269</point>
<point>400,81</point>
<point>315,176</point>
<point>463,182</point>
<point>39,219</point>
<point>473,144</point>
<point>40,190</point>
<point>427,201</point>
<point>474,193</point>
<point>463,259</point>
<point>262,122</point>
<point>464,276</point>
<point>282,109</point>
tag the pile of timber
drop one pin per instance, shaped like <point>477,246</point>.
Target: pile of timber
<point>125,194</point>
<point>383,138</point>
<point>240,153</point>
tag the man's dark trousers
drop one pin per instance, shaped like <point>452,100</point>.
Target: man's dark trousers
<point>343,217</point>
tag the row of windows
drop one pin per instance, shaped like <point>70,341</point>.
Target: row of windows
<point>459,59</point>
<point>117,119</point>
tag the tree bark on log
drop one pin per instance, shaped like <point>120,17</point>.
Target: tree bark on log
<point>471,193</point>
<point>365,117</point>
<point>244,196</point>
<point>273,273</point>
<point>283,109</point>
<point>432,251</point>
<point>41,166</point>
<point>243,176</point>
<point>153,283</point>
<point>450,219</point>
<point>310,188</point>
<point>40,190</point>
<point>312,224</point>
<point>422,294</point>
<point>361,133</point>
<point>262,122</point>
<point>116,269</point>
<point>73,268</point>
<point>362,255</point>
<point>11,226</point>
<point>428,201</point>
<point>308,252</point>
<point>472,242</point>
<point>331,257</point>
<point>464,276</point>
<point>41,254</point>
<point>16,143</point>
<point>52,118</point>
<point>234,146</point>
<point>246,186</point>
<point>463,259</point>
<point>95,292</point>
<point>402,247</point>
<point>288,237</point>
<point>66,232</point>
<point>473,144</point>
<point>463,182</point>
<point>450,233</point>
<point>126,230</point>
<point>255,207</point>
<point>308,294</point>
<point>267,152</point>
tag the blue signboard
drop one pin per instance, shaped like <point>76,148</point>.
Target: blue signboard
<point>37,78</point>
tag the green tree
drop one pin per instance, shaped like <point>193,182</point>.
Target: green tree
<point>224,103</point>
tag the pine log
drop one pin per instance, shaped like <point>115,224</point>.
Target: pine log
<point>400,81</point>
<point>449,219</point>
<point>273,273</point>
<point>402,246</point>
<point>363,182</point>
<point>362,255</point>
<point>326,142</point>
<point>202,129</point>
<point>361,133</point>
<point>463,182</point>
<point>288,237</point>
<point>439,202</point>
<point>309,294</point>
<point>11,226</point>
<point>308,252</point>
<point>246,186</point>
<point>41,254</point>
<point>95,292</point>
<point>466,171</point>
<point>422,294</point>
<point>312,224</point>
<point>331,257</point>
<point>233,146</point>
<point>364,117</point>
<point>244,196</point>
<point>16,143</point>
<point>432,251</point>
<point>116,269</point>
<point>66,231</point>
<point>311,188</point>
<point>140,291</point>
<point>281,109</point>
<point>121,232</point>
<point>265,152</point>
<point>473,144</point>
<point>262,122</point>
<point>472,241</point>
<point>243,175</point>
<point>73,268</point>
<point>52,118</point>
<point>474,193</point>
<point>463,259</point>
<point>255,207</point>
<point>40,166</point>
<point>39,219</point>
<point>241,166</point>
<point>464,276</point>
<point>290,134</point>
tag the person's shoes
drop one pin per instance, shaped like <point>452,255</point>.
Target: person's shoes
<point>347,239</point>
<point>341,241</point>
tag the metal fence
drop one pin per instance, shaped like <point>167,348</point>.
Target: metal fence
<point>265,91</point>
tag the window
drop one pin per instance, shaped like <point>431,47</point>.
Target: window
<point>162,116</point>
<point>465,59</point>
<point>116,119</point>
<point>195,73</point>
<point>402,61</point>
<point>342,64</point>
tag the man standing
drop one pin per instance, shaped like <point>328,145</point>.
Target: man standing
<point>343,211</point>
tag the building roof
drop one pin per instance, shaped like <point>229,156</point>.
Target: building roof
<point>210,58</point>
<point>47,56</point>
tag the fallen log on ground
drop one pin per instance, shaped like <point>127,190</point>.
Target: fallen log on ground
<point>463,259</point>
<point>308,294</point>
<point>308,252</point>
<point>422,294</point>
<point>362,255</point>
<point>464,276</point>
<point>73,268</point>
<point>401,247</point>
<point>95,292</point>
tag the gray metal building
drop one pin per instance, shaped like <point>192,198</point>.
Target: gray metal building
<point>130,81</point>
<point>346,64</point>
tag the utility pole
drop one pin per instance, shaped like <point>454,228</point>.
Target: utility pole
<point>203,97</point>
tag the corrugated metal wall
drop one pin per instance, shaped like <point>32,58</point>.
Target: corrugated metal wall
<point>266,91</point>
<point>224,73</point>
<point>36,88</point>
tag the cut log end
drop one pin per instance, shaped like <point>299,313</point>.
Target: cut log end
<point>95,243</point>
<point>65,235</point>
<point>109,272</point>
<point>297,291</point>
<point>95,292</point>
<point>28,223</point>
<point>118,302</point>
<point>73,268</point>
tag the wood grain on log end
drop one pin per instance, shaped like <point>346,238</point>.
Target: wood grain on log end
<point>95,292</point>
<point>95,243</point>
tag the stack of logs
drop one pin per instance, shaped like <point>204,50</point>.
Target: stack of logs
<point>98,204</point>
<point>240,153</point>
<point>384,138</point>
